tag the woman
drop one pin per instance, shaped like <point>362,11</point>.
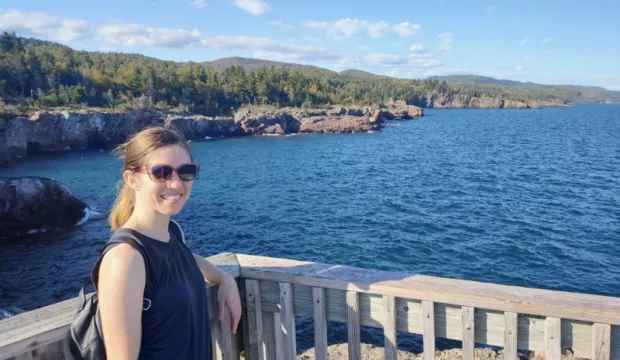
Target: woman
<point>158,173</point>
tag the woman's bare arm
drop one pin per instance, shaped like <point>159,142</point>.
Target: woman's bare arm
<point>122,277</point>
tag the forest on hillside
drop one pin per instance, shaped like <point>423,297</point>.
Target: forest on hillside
<point>36,74</point>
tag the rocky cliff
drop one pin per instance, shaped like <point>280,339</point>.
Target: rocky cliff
<point>445,100</point>
<point>56,131</point>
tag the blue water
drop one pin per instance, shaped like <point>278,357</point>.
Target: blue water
<point>518,197</point>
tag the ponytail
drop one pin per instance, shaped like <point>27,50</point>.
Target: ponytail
<point>122,208</point>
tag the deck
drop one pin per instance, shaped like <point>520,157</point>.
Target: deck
<point>275,290</point>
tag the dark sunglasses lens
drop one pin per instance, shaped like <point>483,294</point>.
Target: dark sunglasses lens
<point>188,172</point>
<point>161,172</point>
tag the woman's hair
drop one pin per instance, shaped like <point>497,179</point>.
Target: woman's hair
<point>133,153</point>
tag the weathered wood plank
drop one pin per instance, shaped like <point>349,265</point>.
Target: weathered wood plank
<point>489,324</point>
<point>226,336</point>
<point>553,343</point>
<point>389,327</point>
<point>216,334</point>
<point>288,321</point>
<point>245,323</point>
<point>565,305</point>
<point>280,334</point>
<point>320,323</point>
<point>511,338</point>
<point>468,332</point>
<point>268,347</point>
<point>255,319</point>
<point>428,314</point>
<point>601,340</point>
<point>353,325</point>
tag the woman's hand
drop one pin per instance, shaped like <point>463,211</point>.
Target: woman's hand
<point>228,298</point>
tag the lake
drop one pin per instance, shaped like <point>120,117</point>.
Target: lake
<point>517,197</point>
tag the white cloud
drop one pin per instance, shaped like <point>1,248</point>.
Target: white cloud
<point>348,62</point>
<point>339,29</point>
<point>445,43</point>
<point>300,55</point>
<point>490,9</point>
<point>347,27</point>
<point>254,7</point>
<point>525,41</point>
<point>378,29</point>
<point>133,34</point>
<point>386,59</point>
<point>281,24</point>
<point>43,25</point>
<point>405,29</point>
<point>423,63</point>
<point>417,50</point>
<point>519,67</point>
<point>546,40</point>
<point>199,3</point>
<point>527,58</point>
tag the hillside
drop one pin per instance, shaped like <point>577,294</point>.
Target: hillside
<point>473,79</point>
<point>38,74</point>
<point>571,93</point>
<point>362,74</point>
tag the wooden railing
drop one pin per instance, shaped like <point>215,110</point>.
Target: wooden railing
<point>274,291</point>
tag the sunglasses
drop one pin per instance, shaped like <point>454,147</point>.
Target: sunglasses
<point>162,172</point>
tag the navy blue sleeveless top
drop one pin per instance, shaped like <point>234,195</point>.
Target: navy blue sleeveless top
<point>176,326</point>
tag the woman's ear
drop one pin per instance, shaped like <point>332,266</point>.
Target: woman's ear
<point>131,179</point>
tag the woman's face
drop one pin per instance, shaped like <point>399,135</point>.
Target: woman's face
<point>166,197</point>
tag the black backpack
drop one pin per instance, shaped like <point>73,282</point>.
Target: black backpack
<point>85,330</point>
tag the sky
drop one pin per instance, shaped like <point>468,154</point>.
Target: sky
<point>543,41</point>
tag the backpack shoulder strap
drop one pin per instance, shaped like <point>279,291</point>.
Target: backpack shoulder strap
<point>123,236</point>
<point>178,231</point>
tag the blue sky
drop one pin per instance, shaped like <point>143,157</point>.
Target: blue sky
<point>551,42</point>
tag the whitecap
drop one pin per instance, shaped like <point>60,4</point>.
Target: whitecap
<point>89,214</point>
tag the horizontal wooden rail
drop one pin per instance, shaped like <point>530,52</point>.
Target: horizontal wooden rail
<point>474,312</point>
<point>275,290</point>
<point>521,300</point>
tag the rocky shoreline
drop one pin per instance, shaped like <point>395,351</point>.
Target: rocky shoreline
<point>447,100</point>
<point>50,131</point>
<point>373,352</point>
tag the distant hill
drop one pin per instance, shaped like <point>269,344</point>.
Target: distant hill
<point>256,64</point>
<point>362,74</point>
<point>473,79</point>
<point>566,92</point>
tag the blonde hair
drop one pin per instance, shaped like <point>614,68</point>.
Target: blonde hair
<point>132,153</point>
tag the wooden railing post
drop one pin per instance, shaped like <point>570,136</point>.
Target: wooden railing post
<point>553,344</point>
<point>319,310</point>
<point>255,319</point>
<point>389,328</point>
<point>468,323</point>
<point>428,315</point>
<point>601,342</point>
<point>510,335</point>
<point>353,325</point>
<point>288,321</point>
